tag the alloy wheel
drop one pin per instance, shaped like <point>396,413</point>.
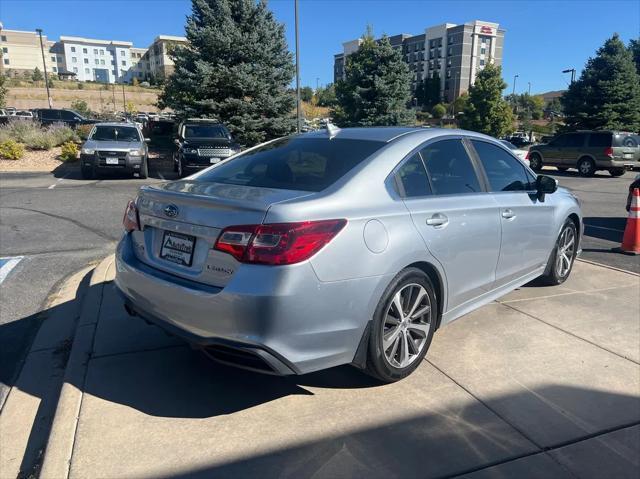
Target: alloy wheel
<point>566,249</point>
<point>406,325</point>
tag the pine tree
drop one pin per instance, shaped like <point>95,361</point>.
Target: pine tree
<point>377,87</point>
<point>485,110</point>
<point>634,47</point>
<point>235,68</point>
<point>607,94</point>
<point>432,91</point>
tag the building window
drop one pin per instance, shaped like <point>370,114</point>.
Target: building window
<point>59,59</point>
<point>84,50</point>
<point>86,61</point>
<point>86,70</point>
<point>113,72</point>
<point>124,63</point>
<point>121,52</point>
<point>75,69</point>
<point>481,63</point>
<point>450,39</point>
<point>53,59</point>
<point>450,51</point>
<point>55,70</point>
<point>5,50</point>
<point>6,61</point>
<point>97,61</point>
<point>483,51</point>
<point>73,49</point>
<point>74,60</point>
<point>95,51</point>
<point>4,38</point>
<point>101,52</point>
<point>101,62</point>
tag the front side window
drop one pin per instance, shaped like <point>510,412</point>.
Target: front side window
<point>294,163</point>
<point>504,172</point>
<point>411,178</point>
<point>115,133</point>
<point>449,168</point>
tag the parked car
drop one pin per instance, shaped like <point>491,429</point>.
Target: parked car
<point>201,143</point>
<point>518,141</point>
<point>520,153</point>
<point>114,147</point>
<point>21,115</point>
<point>49,116</point>
<point>332,247</point>
<point>588,151</point>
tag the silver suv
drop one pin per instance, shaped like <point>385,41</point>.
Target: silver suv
<point>117,147</point>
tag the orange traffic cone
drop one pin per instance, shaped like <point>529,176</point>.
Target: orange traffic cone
<point>631,239</point>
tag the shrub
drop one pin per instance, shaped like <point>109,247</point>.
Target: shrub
<point>145,84</point>
<point>11,150</point>
<point>81,107</point>
<point>80,86</point>
<point>61,133</point>
<point>19,130</point>
<point>69,151</point>
<point>38,140</point>
<point>83,131</point>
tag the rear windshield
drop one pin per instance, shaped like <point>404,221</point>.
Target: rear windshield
<point>205,131</point>
<point>627,140</point>
<point>115,133</point>
<point>294,163</point>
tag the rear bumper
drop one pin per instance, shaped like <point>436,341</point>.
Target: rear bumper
<point>627,164</point>
<point>283,316</point>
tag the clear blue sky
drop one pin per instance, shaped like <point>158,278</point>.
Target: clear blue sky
<point>542,37</point>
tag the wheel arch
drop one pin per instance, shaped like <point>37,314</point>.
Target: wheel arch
<point>588,157</point>
<point>438,283</point>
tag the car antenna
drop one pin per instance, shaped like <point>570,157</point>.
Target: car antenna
<point>332,130</point>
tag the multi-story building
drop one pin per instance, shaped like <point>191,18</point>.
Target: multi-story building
<point>21,53</point>
<point>455,53</point>
<point>86,59</point>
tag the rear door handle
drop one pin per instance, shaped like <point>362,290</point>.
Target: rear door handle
<point>508,214</point>
<point>437,219</point>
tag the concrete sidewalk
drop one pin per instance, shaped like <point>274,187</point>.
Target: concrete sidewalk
<point>545,383</point>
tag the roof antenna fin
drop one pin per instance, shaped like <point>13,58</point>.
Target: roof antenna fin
<point>332,130</point>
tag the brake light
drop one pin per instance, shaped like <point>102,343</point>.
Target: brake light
<point>278,243</point>
<point>526,157</point>
<point>131,221</point>
<point>608,152</point>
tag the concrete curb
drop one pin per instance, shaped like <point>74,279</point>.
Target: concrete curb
<point>620,270</point>
<point>57,456</point>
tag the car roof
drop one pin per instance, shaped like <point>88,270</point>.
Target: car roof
<point>388,134</point>
<point>117,123</point>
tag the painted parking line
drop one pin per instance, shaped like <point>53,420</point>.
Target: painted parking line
<point>6,265</point>
<point>58,181</point>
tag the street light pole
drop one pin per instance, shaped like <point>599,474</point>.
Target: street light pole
<point>124,102</point>
<point>44,64</point>
<point>529,88</point>
<point>573,73</point>
<point>297,69</point>
<point>514,84</point>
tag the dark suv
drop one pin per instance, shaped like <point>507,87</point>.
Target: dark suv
<point>200,144</point>
<point>49,116</point>
<point>588,151</point>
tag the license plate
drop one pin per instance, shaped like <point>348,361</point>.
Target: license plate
<point>628,155</point>
<point>111,161</point>
<point>214,160</point>
<point>177,248</point>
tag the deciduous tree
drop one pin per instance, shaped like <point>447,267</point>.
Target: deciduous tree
<point>485,110</point>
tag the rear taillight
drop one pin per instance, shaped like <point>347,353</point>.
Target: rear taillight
<point>131,221</point>
<point>278,243</point>
<point>608,152</point>
<point>526,157</point>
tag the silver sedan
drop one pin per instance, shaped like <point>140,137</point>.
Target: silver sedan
<point>343,246</point>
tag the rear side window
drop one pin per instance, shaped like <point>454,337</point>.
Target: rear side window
<point>504,172</point>
<point>449,168</point>
<point>601,140</point>
<point>559,141</point>
<point>574,141</point>
<point>294,163</point>
<point>411,178</point>
<point>50,114</point>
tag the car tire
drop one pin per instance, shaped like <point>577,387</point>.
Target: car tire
<point>562,168</point>
<point>398,342</point>
<point>563,255</point>
<point>535,162</point>
<point>586,167</point>
<point>144,169</point>
<point>615,172</point>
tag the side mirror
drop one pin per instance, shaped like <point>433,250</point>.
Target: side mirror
<point>176,142</point>
<point>545,185</point>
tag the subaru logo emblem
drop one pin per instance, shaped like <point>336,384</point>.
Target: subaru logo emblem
<point>171,211</point>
